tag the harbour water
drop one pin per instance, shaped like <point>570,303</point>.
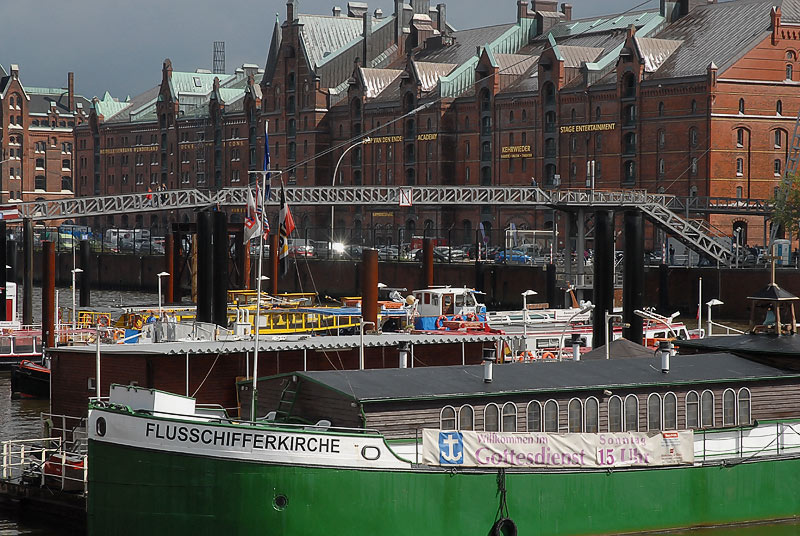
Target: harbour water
<point>19,419</point>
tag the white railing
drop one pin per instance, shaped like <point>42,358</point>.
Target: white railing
<point>728,329</point>
<point>33,462</point>
<point>769,439</point>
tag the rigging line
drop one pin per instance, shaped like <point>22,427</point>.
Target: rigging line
<point>437,100</point>
<point>207,374</point>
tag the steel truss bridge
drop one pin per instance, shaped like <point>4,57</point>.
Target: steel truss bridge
<point>667,211</point>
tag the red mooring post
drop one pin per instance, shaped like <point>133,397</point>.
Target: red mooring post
<point>427,262</point>
<point>49,293</point>
<point>369,286</point>
<point>169,267</point>
<point>273,264</point>
<point>246,266</point>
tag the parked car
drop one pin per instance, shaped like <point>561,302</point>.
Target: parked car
<point>513,255</point>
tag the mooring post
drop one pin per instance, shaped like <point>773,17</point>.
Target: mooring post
<point>633,287</point>
<point>205,267</point>
<point>3,264</point>
<point>169,267</point>
<point>427,262</point>
<point>221,254</point>
<point>27,264</point>
<point>603,274</point>
<point>369,286</point>
<point>48,293</point>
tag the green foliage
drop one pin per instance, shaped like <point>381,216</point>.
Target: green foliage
<point>787,207</point>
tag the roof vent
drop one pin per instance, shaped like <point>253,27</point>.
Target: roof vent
<point>337,11</point>
<point>488,361</point>
<point>665,348</point>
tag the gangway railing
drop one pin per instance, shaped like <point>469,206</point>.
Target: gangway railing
<point>43,461</point>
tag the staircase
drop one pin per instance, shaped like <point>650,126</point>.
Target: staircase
<point>287,400</point>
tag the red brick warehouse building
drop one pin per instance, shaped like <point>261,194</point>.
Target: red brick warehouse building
<point>692,99</point>
<point>36,141</point>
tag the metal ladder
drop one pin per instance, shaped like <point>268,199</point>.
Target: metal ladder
<point>287,400</point>
<point>792,161</point>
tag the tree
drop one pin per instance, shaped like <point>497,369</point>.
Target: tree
<point>786,203</point>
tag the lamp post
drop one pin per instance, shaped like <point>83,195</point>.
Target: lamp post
<point>525,295</point>
<point>333,182</point>
<point>711,303</point>
<point>609,317</point>
<point>75,271</point>
<point>586,309</point>
<point>160,275</point>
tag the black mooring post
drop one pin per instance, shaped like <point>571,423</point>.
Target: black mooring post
<point>27,264</point>
<point>221,254</point>
<point>603,274</point>
<point>663,289</point>
<point>633,285</point>
<point>4,271</point>
<point>551,285</point>
<point>11,260</point>
<point>86,276</point>
<point>205,266</point>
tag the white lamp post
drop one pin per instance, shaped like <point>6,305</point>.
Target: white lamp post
<point>74,309</point>
<point>160,275</point>
<point>333,182</point>
<point>586,308</point>
<point>525,295</point>
<point>711,303</point>
<point>259,279</point>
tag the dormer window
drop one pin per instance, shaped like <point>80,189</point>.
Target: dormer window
<point>197,82</point>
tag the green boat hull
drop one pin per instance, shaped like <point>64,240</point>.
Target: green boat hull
<point>148,492</point>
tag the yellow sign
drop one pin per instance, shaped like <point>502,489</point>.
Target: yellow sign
<point>591,127</point>
<point>516,151</point>
<point>382,214</point>
<point>427,137</point>
<point>385,139</point>
<point>140,149</point>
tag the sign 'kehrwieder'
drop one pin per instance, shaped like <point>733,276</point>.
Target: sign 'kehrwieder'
<point>603,450</point>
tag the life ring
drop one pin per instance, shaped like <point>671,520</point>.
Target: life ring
<point>503,527</point>
<point>439,321</point>
<point>548,355</point>
<point>138,322</point>
<point>457,318</point>
<point>472,317</point>
<point>118,335</point>
<point>103,321</point>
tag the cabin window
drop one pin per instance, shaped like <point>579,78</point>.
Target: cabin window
<point>427,299</point>
<point>670,411</point>
<point>631,413</point>
<point>575,416</point>
<point>692,410</point>
<point>509,417</point>
<point>653,412</point>
<point>728,408</point>
<point>491,418</point>
<point>447,418</point>
<point>744,405</point>
<point>534,416</point>
<point>466,418</point>
<point>707,409</point>
<point>459,300</point>
<point>551,416</point>
<point>615,414</point>
<point>592,415</point>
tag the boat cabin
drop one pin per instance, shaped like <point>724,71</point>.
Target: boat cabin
<point>448,302</point>
<point>699,391</point>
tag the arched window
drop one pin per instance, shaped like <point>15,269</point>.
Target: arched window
<point>429,124</point>
<point>653,412</point>
<point>290,106</point>
<point>534,412</point>
<point>694,106</point>
<point>447,418</point>
<point>776,167</point>
<point>728,408</point>
<point>466,123</point>
<point>630,171</point>
<point>707,409</point>
<point>670,411</point>
<point>290,82</point>
<point>789,71</point>
<point>509,417</point>
<point>779,107</point>
<point>741,106</point>
<point>524,115</point>
<point>630,143</point>
<point>693,137</point>
<point>628,85</point>
<point>572,115</point>
<point>291,128</point>
<point>491,418</point>
<point>551,416</point>
<point>486,103</point>
<point>661,166</point>
<point>739,192</point>
<point>591,421</point>
<point>615,414</point>
<point>778,143</point>
<point>740,137</point>
<point>292,149</point>
<point>739,167</point>
<point>692,410</point>
<point>662,139</point>
<point>486,126</point>
<point>511,116</point>
<point>660,109</point>
<point>744,406</point>
<point>631,413</point>
<point>466,418</point>
<point>549,93</point>
<point>597,114</point>
<point>550,122</point>
<point>575,416</point>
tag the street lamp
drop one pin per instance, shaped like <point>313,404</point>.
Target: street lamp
<point>608,317</point>
<point>160,275</point>
<point>711,303</point>
<point>333,182</point>
<point>525,295</point>
<point>586,308</point>
<point>75,271</point>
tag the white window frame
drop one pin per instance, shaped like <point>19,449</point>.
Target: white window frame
<point>544,415</point>
<point>580,413</point>
<point>625,413</point>
<point>749,406</point>
<point>455,418</point>
<point>686,410</point>
<point>527,416</point>
<point>664,410</point>
<point>735,407</point>
<point>713,410</point>
<point>503,417</point>
<point>660,412</point>
<point>499,423</point>
<point>621,413</point>
<point>586,412</point>
<point>458,416</point>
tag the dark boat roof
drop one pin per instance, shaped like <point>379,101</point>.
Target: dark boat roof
<point>377,385</point>
<point>773,292</point>
<point>749,344</point>
<point>620,349</point>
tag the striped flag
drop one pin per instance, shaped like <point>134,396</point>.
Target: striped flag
<point>263,197</point>
<point>252,225</point>
<point>9,212</point>
<point>286,227</point>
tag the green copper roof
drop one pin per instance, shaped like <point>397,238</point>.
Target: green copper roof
<point>108,106</point>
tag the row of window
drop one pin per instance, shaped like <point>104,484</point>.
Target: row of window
<point>623,414</point>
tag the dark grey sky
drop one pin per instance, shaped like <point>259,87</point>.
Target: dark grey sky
<point>119,45</point>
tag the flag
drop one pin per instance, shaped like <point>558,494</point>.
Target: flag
<point>252,224</point>
<point>9,212</point>
<point>286,227</point>
<point>263,197</point>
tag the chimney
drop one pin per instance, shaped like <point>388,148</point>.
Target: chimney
<point>566,9</point>
<point>71,91</point>
<point>337,11</point>
<point>366,55</point>
<point>378,13</point>
<point>775,15</point>
<point>441,19</point>
<point>404,347</point>
<point>488,361</point>
<point>522,10</point>
<point>665,348</point>
<point>290,7</point>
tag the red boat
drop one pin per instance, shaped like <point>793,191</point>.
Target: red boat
<point>30,380</point>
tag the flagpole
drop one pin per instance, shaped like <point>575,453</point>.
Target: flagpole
<point>253,415</point>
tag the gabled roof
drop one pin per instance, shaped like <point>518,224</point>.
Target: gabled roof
<point>272,54</point>
<point>514,64</point>
<point>655,51</point>
<point>376,80</point>
<point>620,349</point>
<point>324,35</point>
<point>576,56</point>
<point>464,45</point>
<point>719,32</point>
<point>595,25</point>
<point>428,74</point>
<point>108,106</point>
<point>377,385</point>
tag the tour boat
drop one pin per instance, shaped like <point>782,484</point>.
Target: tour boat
<point>30,380</point>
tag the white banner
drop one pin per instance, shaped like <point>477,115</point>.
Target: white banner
<point>602,450</point>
